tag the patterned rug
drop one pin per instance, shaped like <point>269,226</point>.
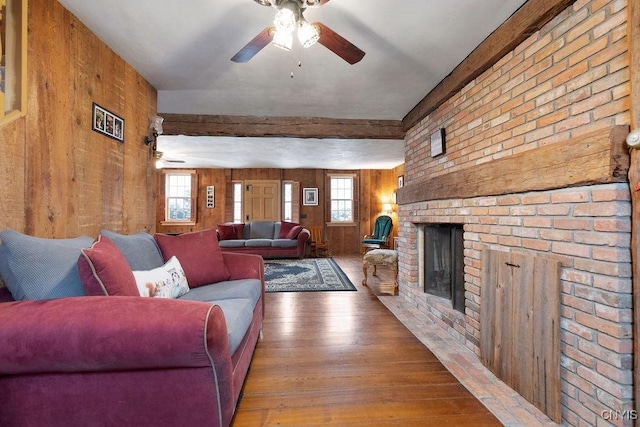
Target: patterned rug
<point>305,275</point>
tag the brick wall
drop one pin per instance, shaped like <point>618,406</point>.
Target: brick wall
<point>569,79</point>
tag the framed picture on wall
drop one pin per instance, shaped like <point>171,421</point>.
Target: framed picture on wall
<point>401,181</point>
<point>107,123</point>
<point>437,143</point>
<point>310,196</point>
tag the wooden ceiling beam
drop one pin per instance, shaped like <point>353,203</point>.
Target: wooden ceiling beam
<point>286,127</point>
<point>531,17</point>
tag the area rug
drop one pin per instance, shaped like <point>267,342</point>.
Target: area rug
<point>305,275</point>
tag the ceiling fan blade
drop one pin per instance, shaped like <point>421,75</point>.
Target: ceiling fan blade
<point>254,46</point>
<point>265,2</point>
<point>338,44</point>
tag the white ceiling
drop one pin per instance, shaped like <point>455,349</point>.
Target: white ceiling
<point>286,153</point>
<point>184,48</point>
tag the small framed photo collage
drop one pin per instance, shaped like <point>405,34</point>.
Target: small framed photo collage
<point>107,123</point>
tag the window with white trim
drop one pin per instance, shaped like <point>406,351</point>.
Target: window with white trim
<point>179,196</point>
<point>287,201</point>
<point>237,202</point>
<point>341,198</point>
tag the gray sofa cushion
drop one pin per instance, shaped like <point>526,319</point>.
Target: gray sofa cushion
<point>258,242</point>
<point>35,268</point>
<point>140,250</point>
<point>237,298</point>
<point>231,243</point>
<point>284,243</point>
<point>238,314</point>
<point>249,289</point>
<point>262,230</point>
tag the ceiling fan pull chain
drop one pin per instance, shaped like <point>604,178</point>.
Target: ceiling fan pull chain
<point>299,64</point>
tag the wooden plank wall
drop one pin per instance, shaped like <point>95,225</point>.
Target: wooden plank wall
<point>374,187</point>
<point>12,190</point>
<point>61,179</point>
<point>520,325</point>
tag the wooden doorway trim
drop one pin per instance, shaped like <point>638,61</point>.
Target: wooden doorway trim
<point>634,179</point>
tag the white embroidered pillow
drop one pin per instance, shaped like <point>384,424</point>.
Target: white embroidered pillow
<point>168,281</point>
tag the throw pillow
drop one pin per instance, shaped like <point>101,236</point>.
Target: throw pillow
<point>139,249</point>
<point>293,233</point>
<point>105,271</point>
<point>239,231</point>
<point>168,281</point>
<point>199,254</point>
<point>285,228</point>
<point>36,268</point>
<point>227,232</point>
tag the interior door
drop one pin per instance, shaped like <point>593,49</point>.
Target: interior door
<point>262,200</point>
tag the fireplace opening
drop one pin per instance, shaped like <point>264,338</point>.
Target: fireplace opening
<point>444,262</point>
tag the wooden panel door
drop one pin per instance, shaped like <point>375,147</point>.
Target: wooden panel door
<point>262,200</point>
<point>520,325</point>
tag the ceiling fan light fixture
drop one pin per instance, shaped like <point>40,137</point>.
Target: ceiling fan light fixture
<point>283,40</point>
<point>289,17</point>
<point>285,20</point>
<point>308,34</point>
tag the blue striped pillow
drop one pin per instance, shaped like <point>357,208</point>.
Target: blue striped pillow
<point>35,268</point>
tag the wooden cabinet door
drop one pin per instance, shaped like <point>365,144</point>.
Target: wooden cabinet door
<point>520,325</point>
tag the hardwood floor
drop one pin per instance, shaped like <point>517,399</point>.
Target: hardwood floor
<point>341,358</point>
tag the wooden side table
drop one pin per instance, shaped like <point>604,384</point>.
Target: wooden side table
<point>385,257</point>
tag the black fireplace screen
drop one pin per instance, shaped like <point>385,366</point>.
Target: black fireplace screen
<point>444,262</point>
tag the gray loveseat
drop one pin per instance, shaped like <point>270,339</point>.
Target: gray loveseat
<point>270,239</point>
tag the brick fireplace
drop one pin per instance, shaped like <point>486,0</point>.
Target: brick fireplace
<point>587,229</point>
<point>441,254</point>
<point>535,164</point>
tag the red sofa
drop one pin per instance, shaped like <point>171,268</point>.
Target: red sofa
<point>269,239</point>
<point>127,360</point>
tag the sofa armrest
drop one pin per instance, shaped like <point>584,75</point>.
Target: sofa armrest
<point>85,334</point>
<point>303,237</point>
<point>244,266</point>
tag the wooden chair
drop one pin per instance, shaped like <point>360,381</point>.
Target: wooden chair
<point>317,244</point>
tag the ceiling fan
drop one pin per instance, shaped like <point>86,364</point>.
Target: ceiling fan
<point>289,18</point>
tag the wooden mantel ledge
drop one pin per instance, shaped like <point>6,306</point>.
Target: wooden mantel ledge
<point>287,127</point>
<point>596,158</point>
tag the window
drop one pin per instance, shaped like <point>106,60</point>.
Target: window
<point>13,58</point>
<point>287,201</point>
<point>341,198</point>
<point>237,202</point>
<point>179,196</point>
